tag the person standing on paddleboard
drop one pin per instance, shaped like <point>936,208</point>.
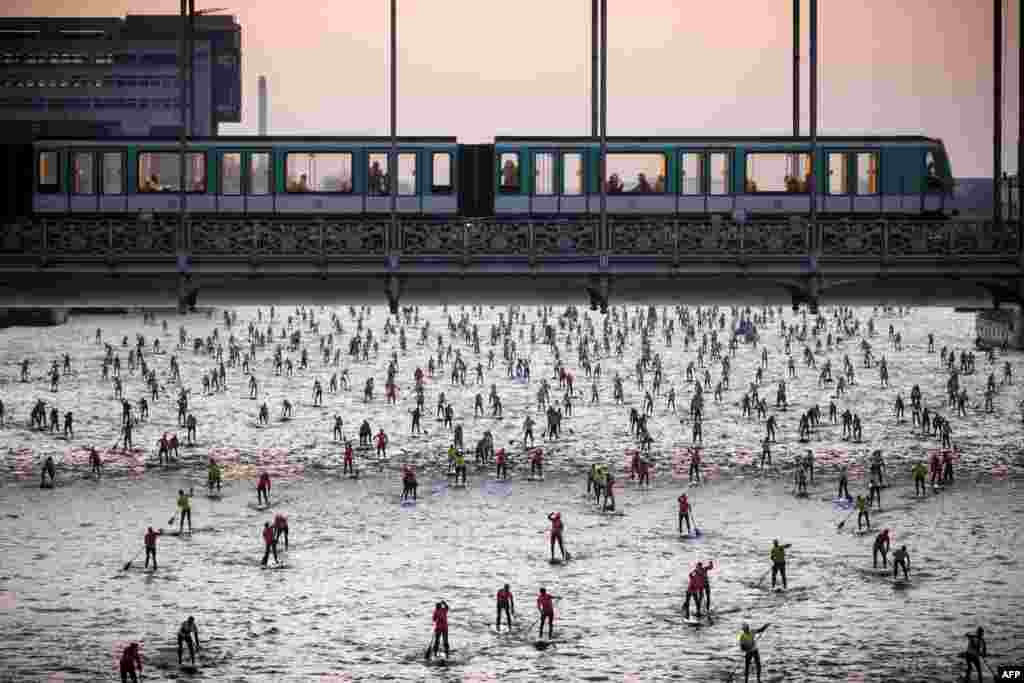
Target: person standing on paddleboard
<point>695,590</point>
<point>48,469</point>
<point>862,513</point>
<point>507,605</point>
<point>281,529</point>
<point>186,633</point>
<point>213,475</point>
<point>271,544</point>
<point>901,560</point>
<point>749,647</point>
<point>150,541</point>
<point>920,472</point>
<point>704,569</point>
<point>976,649</point>
<point>556,534</point>
<point>684,513</point>
<point>348,466</point>
<point>844,490</point>
<point>778,556</point>
<point>547,612</point>
<point>263,489</point>
<point>881,547</point>
<point>441,627</point>
<point>184,510</point>
<point>131,660</point>
<point>94,461</point>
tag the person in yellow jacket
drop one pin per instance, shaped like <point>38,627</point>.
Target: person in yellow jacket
<point>920,472</point>
<point>862,513</point>
<point>213,475</point>
<point>778,556</point>
<point>749,647</point>
<point>184,510</point>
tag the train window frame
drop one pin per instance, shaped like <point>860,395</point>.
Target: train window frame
<point>500,173</point>
<point>730,160</point>
<point>247,175</point>
<point>434,187</point>
<point>846,156</point>
<point>535,156</point>
<point>386,154</point>
<point>222,157</point>
<point>352,157</point>
<point>789,153</point>
<point>77,154</point>
<point>581,155</point>
<point>877,154</point>
<point>398,172</point>
<point>183,177</point>
<point>636,152</point>
<point>49,188</point>
<point>702,172</point>
<point>103,155</point>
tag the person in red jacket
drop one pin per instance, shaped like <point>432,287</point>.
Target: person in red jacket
<point>556,534</point>
<point>263,489</point>
<point>271,544</point>
<point>281,529</point>
<point>150,541</point>
<point>507,605</point>
<point>684,513</point>
<point>382,444</point>
<point>499,458</point>
<point>695,590</point>
<point>704,569</point>
<point>441,627</point>
<point>537,463</point>
<point>349,467</point>
<point>130,661</point>
<point>547,612</point>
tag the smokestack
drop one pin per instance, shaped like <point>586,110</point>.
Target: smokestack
<point>263,104</point>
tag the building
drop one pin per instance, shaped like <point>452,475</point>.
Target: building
<point>109,77</point>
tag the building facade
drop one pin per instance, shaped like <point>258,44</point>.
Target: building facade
<point>111,77</point>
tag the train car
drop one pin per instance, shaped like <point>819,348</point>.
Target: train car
<point>748,176</point>
<point>245,175</point>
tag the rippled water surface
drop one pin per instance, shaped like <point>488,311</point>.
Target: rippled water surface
<point>354,599</point>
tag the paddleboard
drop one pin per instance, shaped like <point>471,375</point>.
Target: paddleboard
<point>281,565</point>
<point>408,503</point>
<point>353,476</point>
<point>900,582</point>
<point>536,478</point>
<point>778,589</point>
<point>215,496</point>
<point>542,644</point>
<point>692,621</point>
<point>261,508</point>
<point>557,560</point>
<point>189,669</point>
<point>459,485</point>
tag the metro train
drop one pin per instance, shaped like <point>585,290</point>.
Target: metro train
<point>515,177</point>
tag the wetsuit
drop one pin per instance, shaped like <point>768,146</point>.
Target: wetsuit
<point>695,590</point>
<point>502,466</point>
<point>150,542</point>
<point>844,491</point>
<point>263,489</point>
<point>506,605</point>
<point>556,534</point>
<point>271,545</point>
<point>349,466</point>
<point>881,547</point>
<point>684,513</point>
<point>547,613</point>
<point>976,649</point>
<point>900,560</point>
<point>537,464</point>
<point>707,583</point>
<point>185,636</point>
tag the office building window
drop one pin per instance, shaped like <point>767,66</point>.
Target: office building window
<point>83,173</point>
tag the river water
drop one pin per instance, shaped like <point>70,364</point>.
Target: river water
<point>354,598</point>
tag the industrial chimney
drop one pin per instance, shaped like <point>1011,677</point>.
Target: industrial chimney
<point>263,104</point>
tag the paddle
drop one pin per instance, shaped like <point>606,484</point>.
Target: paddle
<point>128,564</point>
<point>841,524</point>
<point>696,531</point>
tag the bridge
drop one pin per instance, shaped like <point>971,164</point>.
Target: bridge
<point>158,260</point>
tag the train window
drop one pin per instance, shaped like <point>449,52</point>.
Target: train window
<point>259,173</point>
<point>407,173</point>
<point>572,173</point>
<point>544,173</point>
<point>635,173</point>
<point>83,175</point>
<point>319,172</point>
<point>838,182</point>
<point>442,177</point>
<point>867,173</point>
<point>377,174</point>
<point>691,173</point>
<point>49,172</point>
<point>718,173</point>
<point>161,172</point>
<point>231,173</point>
<point>777,172</point>
<point>509,173</point>
<point>113,173</point>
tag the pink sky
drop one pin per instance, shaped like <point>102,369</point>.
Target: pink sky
<point>479,69</point>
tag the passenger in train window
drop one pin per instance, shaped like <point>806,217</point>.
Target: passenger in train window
<point>376,180</point>
<point>153,184</point>
<point>510,176</point>
<point>614,185</point>
<point>659,185</point>
<point>301,186</point>
<point>642,185</point>
<point>792,184</point>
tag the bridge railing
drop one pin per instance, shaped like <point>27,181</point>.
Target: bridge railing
<point>83,239</point>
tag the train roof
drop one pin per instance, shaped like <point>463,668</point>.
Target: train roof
<point>721,139</point>
<point>258,139</point>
